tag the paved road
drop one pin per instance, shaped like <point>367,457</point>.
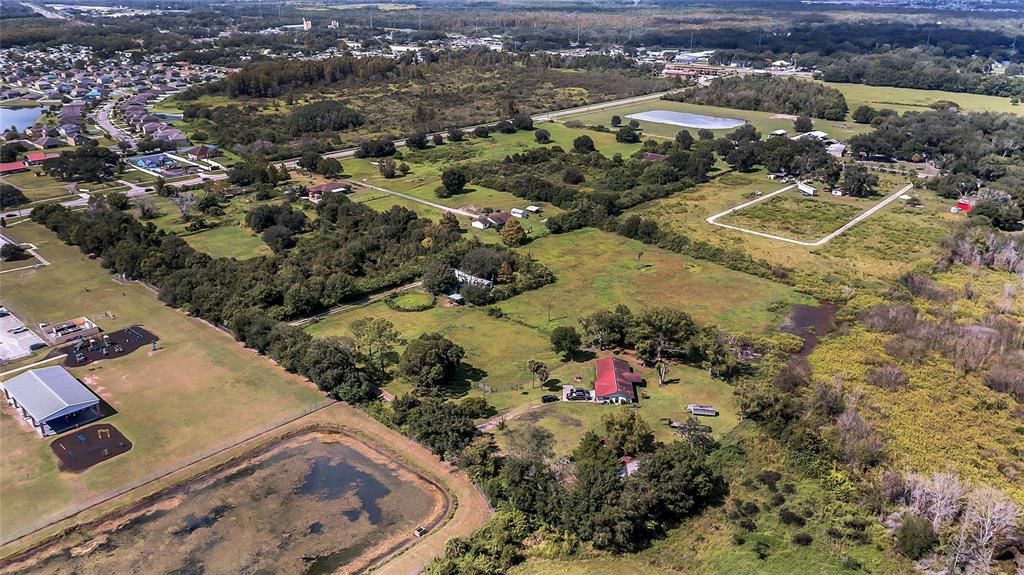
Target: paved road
<point>103,120</point>
<point>343,308</point>
<point>44,12</point>
<point>713,220</point>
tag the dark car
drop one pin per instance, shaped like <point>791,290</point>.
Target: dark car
<point>578,395</point>
<point>548,399</point>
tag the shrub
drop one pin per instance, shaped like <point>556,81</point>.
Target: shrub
<point>914,536</point>
<point>788,517</point>
<point>802,539</point>
<point>888,377</point>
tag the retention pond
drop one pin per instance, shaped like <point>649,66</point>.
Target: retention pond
<point>320,502</point>
<point>687,120</point>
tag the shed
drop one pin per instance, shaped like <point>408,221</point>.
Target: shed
<point>806,189</point>
<point>51,399</point>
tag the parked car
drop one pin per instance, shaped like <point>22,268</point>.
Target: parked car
<point>36,345</point>
<point>419,531</point>
<point>578,395</point>
<point>548,399</point>
<point>21,329</point>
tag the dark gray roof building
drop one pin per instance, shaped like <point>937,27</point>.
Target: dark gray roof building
<point>51,399</point>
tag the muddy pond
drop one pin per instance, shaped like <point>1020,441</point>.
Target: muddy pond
<point>312,504</point>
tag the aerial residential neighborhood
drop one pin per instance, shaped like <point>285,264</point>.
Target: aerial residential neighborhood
<point>520,287</point>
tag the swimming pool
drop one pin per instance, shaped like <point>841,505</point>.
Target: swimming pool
<point>687,120</point>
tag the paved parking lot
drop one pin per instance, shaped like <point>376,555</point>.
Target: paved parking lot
<point>13,346</point>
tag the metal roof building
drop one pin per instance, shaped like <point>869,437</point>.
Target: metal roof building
<point>51,399</point>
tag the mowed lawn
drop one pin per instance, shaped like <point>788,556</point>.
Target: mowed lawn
<point>199,391</point>
<point>763,121</point>
<point>36,185</point>
<point>910,99</point>
<point>598,270</point>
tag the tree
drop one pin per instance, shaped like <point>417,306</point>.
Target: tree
<point>684,139</point>
<point>454,180</point>
<point>858,181</point>
<point>375,340</point>
<point>572,175</point>
<point>417,140</point>
<point>565,341</point>
<point>404,169</point>
<point>627,135</point>
<point>616,121</point>
<point>743,157</point>
<point>309,160</point>
<point>185,202</point>
<point>803,124</point>
<point>521,121</point>
<point>542,136</point>
<point>11,252</point>
<point>660,333</point>
<point>430,360</point>
<point>387,168</point>
<point>538,371</point>
<point>634,124</point>
<point>327,167</point>
<point>530,442</point>
<point>11,196</point>
<point>158,186</point>
<point>583,144</point>
<point>437,139</point>
<point>626,433</point>
<point>481,132</point>
<point>512,233</point>
<point>456,135</point>
<point>864,114</point>
<point>705,134</point>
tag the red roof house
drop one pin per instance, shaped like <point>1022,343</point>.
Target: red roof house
<point>965,204</point>
<point>12,168</point>
<point>615,380</point>
<point>34,158</point>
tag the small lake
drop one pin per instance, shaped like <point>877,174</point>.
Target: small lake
<point>687,120</point>
<point>20,118</point>
<point>313,504</point>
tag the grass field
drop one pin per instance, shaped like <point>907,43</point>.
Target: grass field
<point>885,245</point>
<point>793,215</point>
<point>597,270</point>
<point>909,99</point>
<point>228,238</point>
<point>36,185</point>
<point>199,390</point>
<point>599,566</point>
<point>763,121</point>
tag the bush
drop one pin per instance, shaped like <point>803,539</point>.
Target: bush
<point>542,136</point>
<point>914,536</point>
<point>888,377</point>
<point>788,517</point>
<point>802,539</point>
<point>572,175</point>
<point>481,132</point>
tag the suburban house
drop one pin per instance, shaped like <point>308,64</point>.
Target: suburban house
<point>496,220</point>
<point>615,381</point>
<point>51,399</point>
<point>203,152</point>
<point>836,150</point>
<point>12,168</point>
<point>47,142</point>
<point>37,158</point>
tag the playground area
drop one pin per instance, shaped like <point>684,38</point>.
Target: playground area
<point>88,446</point>
<point>106,346</point>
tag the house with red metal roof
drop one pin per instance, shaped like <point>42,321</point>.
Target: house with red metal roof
<point>615,381</point>
<point>12,168</point>
<point>36,158</point>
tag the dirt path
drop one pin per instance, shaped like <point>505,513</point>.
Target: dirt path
<point>343,308</point>
<point>514,413</point>
<point>410,197</point>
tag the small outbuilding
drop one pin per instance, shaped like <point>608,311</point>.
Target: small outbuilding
<point>51,399</point>
<point>806,189</point>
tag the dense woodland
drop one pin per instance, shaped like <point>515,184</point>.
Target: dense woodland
<point>768,94</point>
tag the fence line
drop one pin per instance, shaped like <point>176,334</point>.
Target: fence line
<point>101,498</point>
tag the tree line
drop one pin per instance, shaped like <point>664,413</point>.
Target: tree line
<point>768,94</point>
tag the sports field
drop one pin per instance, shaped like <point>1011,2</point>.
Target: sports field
<point>198,391</point>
